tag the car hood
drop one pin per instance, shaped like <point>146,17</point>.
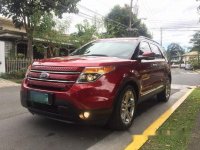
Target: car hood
<point>82,61</point>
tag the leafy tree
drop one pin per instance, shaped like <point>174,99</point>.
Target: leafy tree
<point>47,24</point>
<point>174,50</point>
<point>28,13</point>
<point>196,46</point>
<point>50,32</point>
<point>121,15</point>
<point>196,41</point>
<point>86,32</point>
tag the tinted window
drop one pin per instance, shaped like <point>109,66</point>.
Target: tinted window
<point>163,52</point>
<point>156,50</point>
<point>144,48</point>
<point>121,49</point>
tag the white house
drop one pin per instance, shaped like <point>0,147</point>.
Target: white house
<point>13,43</point>
<point>2,57</point>
<point>190,56</point>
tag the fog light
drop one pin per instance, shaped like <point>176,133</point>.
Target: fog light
<point>84,115</point>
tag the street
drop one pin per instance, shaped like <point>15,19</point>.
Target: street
<point>20,130</point>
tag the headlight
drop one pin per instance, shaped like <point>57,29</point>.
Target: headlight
<point>91,74</point>
<point>27,72</point>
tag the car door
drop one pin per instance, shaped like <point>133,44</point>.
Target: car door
<point>145,69</point>
<point>158,67</point>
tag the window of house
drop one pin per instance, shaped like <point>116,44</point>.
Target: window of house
<point>9,49</point>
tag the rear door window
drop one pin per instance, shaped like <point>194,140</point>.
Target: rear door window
<point>144,48</point>
<point>156,50</point>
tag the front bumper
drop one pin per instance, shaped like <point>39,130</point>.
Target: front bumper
<point>68,107</point>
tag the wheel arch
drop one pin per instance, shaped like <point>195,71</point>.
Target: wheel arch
<point>132,82</point>
<point>115,118</point>
<point>170,77</point>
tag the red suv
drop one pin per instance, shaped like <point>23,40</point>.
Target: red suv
<point>101,82</point>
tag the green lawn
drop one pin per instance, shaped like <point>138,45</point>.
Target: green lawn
<point>175,133</point>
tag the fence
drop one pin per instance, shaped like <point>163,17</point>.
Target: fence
<point>16,64</point>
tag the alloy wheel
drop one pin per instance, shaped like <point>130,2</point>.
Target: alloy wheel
<point>168,89</point>
<point>128,107</point>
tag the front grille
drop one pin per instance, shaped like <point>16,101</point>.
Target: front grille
<point>59,69</point>
<point>59,78</point>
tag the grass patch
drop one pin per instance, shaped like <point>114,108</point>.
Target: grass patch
<point>175,133</point>
<point>19,81</point>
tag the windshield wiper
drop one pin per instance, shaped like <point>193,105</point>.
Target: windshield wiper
<point>96,55</point>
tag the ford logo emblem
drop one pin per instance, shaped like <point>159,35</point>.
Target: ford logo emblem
<point>44,75</point>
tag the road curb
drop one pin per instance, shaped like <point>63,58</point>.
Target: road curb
<point>197,71</point>
<point>7,83</point>
<point>139,140</point>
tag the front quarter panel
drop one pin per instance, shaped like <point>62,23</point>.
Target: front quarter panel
<point>101,93</point>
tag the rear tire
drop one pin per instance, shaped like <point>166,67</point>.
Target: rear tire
<point>165,94</point>
<point>124,111</point>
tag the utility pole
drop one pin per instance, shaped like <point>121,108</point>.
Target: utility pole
<point>136,8</point>
<point>130,19</point>
<point>198,58</point>
<point>161,36</point>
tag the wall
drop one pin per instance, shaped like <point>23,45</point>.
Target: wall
<point>2,57</point>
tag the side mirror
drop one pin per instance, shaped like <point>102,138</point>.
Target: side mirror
<point>147,56</point>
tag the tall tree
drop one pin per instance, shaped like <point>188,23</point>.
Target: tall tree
<point>86,32</point>
<point>28,13</point>
<point>117,23</point>
<point>196,41</point>
<point>51,32</point>
<point>174,50</point>
<point>196,46</point>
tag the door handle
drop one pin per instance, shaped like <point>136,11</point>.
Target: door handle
<point>154,65</point>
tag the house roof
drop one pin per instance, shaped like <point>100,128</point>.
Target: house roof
<point>9,32</point>
<point>7,24</point>
<point>5,20</point>
<point>11,35</point>
<point>194,53</point>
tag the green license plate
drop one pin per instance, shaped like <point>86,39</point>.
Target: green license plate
<point>38,97</point>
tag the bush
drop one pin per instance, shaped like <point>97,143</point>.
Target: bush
<point>14,75</point>
<point>195,64</point>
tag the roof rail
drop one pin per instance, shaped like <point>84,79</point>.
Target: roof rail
<point>143,37</point>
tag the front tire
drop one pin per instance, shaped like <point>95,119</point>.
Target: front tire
<point>165,94</point>
<point>124,111</point>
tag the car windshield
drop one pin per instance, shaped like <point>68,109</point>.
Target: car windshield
<point>120,49</point>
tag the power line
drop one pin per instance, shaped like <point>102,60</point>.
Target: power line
<point>180,27</point>
<point>83,16</point>
<point>176,20</point>
<point>177,24</point>
<point>92,18</point>
<point>108,19</point>
<point>124,26</point>
<point>111,20</point>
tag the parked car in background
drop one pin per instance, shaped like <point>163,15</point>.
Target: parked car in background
<point>182,66</point>
<point>188,67</point>
<point>175,65</point>
<point>101,82</point>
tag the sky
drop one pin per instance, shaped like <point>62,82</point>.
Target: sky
<point>179,19</point>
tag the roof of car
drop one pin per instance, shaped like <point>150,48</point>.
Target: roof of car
<point>128,39</point>
<point>118,39</point>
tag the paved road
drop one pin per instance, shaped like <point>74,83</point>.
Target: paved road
<point>19,130</point>
<point>180,76</point>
